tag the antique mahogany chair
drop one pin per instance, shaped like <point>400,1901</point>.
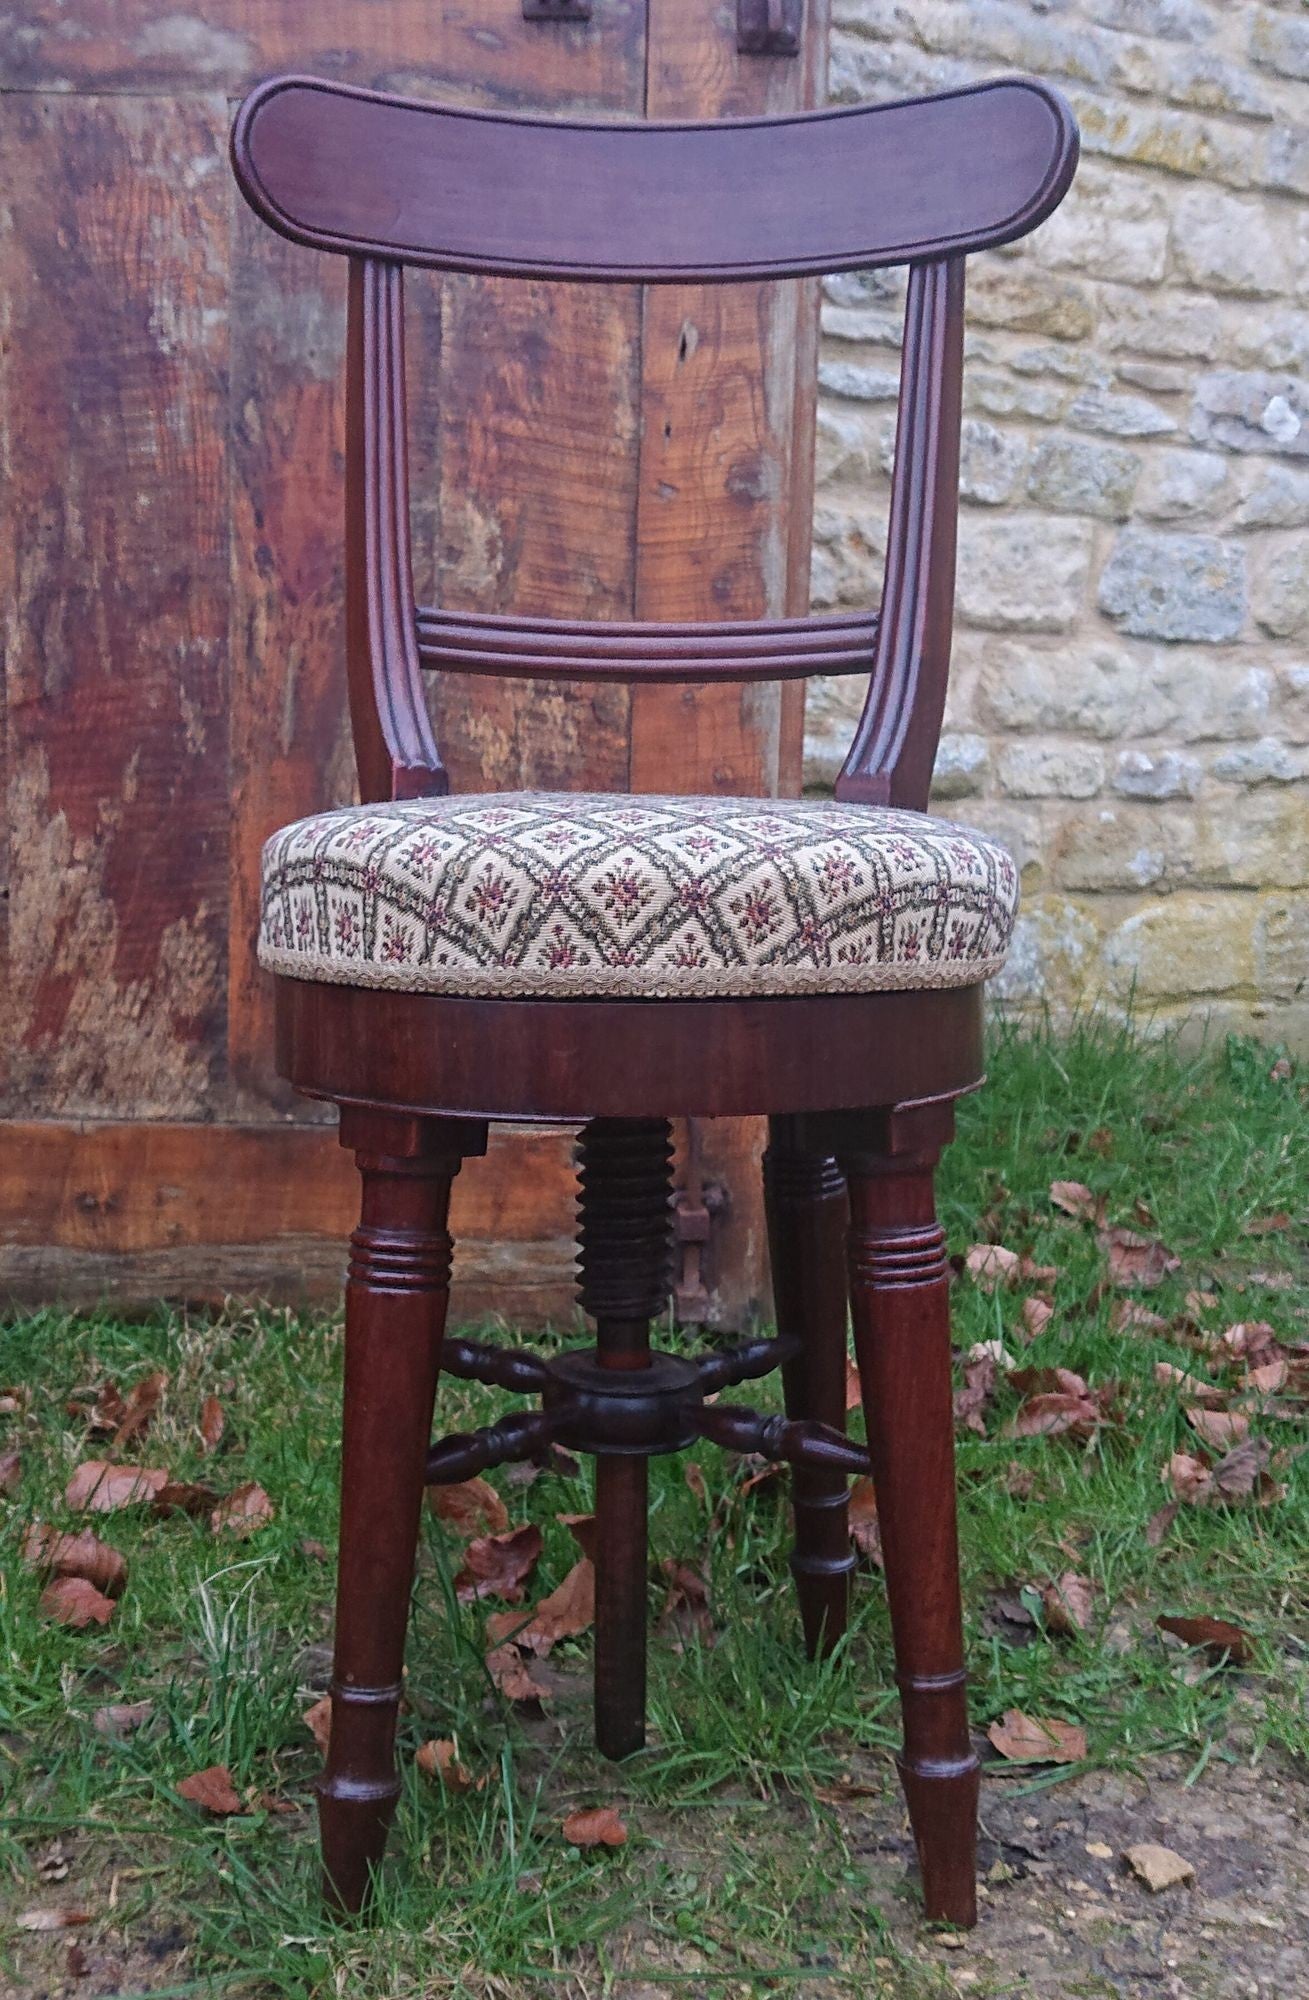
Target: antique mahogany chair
<point>613,962</point>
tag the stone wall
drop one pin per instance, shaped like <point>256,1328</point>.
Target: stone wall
<point>1130,699</point>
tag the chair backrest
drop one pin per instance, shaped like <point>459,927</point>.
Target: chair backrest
<point>390,181</point>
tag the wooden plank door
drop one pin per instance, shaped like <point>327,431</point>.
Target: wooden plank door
<point>173,598</point>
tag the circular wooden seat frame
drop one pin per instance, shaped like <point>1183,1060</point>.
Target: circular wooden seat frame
<point>858,1089</point>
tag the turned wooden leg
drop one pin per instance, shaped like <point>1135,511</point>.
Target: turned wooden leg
<point>805,1198</point>
<point>625,1270</point>
<point>395,1306</point>
<point>899,1295</point>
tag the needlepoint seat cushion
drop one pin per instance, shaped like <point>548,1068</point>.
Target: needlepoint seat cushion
<point>568,895</point>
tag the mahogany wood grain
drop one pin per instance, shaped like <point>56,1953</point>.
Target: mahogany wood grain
<point>899,1290</point>
<point>395,1305</point>
<point>361,173</point>
<point>805,1200</point>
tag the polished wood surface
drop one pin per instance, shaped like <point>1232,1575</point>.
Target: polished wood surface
<point>859,1089</point>
<point>361,173</point>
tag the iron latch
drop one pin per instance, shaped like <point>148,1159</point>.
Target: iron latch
<point>768,27</point>
<point>556,10</point>
<point>695,1212</point>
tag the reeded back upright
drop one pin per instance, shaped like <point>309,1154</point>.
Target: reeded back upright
<point>390,181</point>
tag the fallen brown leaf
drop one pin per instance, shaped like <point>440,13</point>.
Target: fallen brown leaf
<point>854,1390</point>
<point>512,1675</point>
<point>594,1826</point>
<point>568,1610</point>
<point>1136,1262</point>
<point>1129,1315</point>
<point>1069,1603</point>
<point>471,1507</point>
<point>139,1409</point>
<point>1159,1523</point>
<point>972,1401</point>
<point>1218,1637</point>
<point>318,1721</point>
<point>243,1513</point>
<point>315,1551</point>
<point>582,1526</point>
<point>686,1610</point>
<point>695,1485</point>
<point>1169,1377</point>
<point>1158,1867</point>
<point>990,1265</point>
<point>1282,1070</point>
<point>51,1920</point>
<point>1268,1225</point>
<point>120,1718</point>
<point>100,1487</point>
<point>1253,1340</point>
<point>1077,1200</point>
<point>212,1423</point>
<point>1055,1414</point>
<point>439,1759</point>
<point>1037,1314</point>
<point>499,1565</point>
<point>1220,1428</point>
<point>213,1790</point>
<point>1029,1739</point>
<point>865,1528</point>
<point>1243,1473</point>
<point>1270,1378</point>
<point>11,1471</point>
<point>83,1555</point>
<point>1190,1478</point>
<point>184,1496</point>
<point>71,1600</point>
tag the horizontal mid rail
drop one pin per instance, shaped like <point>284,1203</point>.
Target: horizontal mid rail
<point>520,648</point>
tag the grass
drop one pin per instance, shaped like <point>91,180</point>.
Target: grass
<point>738,1877</point>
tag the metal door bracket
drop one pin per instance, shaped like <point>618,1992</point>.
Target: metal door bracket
<point>556,10</point>
<point>768,27</point>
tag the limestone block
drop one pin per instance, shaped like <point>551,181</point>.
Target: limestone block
<point>858,383</point>
<point>1174,20</point>
<point>1044,770</point>
<point>1223,243</point>
<point>1086,689</point>
<point>1054,953</point>
<point>1276,339</point>
<point>1281,943</point>
<point>991,462</point>
<point>1111,849</point>
<point>996,393</point>
<point>1280,42</point>
<point>1182,946</point>
<point>1201,148</point>
<point>963,764</point>
<point>1072,476</point>
<point>1110,226</point>
<point>1279,498</point>
<point>1179,485</point>
<point>844,448</point>
<point>1159,586</point>
<point>1286,159</point>
<point>1017,828</point>
<point>1264,844</point>
<point>1160,774</point>
<point>1120,416</point>
<point>1171,325</point>
<point>1281,590</point>
<point>1293,706</point>
<point>1023,297</point>
<point>1252,411</point>
<point>1022,572</point>
<point>1265,762</point>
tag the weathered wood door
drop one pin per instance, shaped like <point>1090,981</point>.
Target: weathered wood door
<point>172,431</point>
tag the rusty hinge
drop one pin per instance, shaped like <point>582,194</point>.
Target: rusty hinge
<point>768,27</point>
<point>556,10</point>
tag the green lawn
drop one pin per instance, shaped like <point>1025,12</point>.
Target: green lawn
<point>738,1876</point>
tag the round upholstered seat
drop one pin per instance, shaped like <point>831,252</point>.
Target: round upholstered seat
<point>551,895</point>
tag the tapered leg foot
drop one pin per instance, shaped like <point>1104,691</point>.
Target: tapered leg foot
<point>805,1199</point>
<point>396,1298</point>
<point>621,1486</point>
<point>899,1296</point>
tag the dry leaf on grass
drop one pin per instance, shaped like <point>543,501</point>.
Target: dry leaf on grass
<point>1268,1225</point>
<point>243,1513</point>
<point>594,1826</point>
<point>1037,1314</point>
<point>212,1423</point>
<point>854,1393</point>
<point>318,1721</point>
<point>512,1675</point>
<point>1220,1428</point>
<point>1160,1522</point>
<point>71,1600</point>
<point>184,1496</point>
<point>212,1789</point>
<point>83,1555</point>
<point>973,1399</point>
<point>1158,1867</point>
<point>139,1409</point>
<point>865,1529</point>
<point>499,1565</point>
<point>120,1718</point>
<point>439,1759</point>
<point>686,1610</point>
<point>1136,1262</point>
<point>471,1507</point>
<point>582,1526</point>
<point>51,1920</point>
<point>1241,1475</point>
<point>1130,1316</point>
<point>1169,1377</point>
<point>990,1264</point>
<point>1218,1637</point>
<point>1069,1603</point>
<point>568,1610</point>
<point>1077,1200</point>
<point>1029,1739</point>
<point>11,1471</point>
<point>99,1487</point>
<point>1252,1340</point>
